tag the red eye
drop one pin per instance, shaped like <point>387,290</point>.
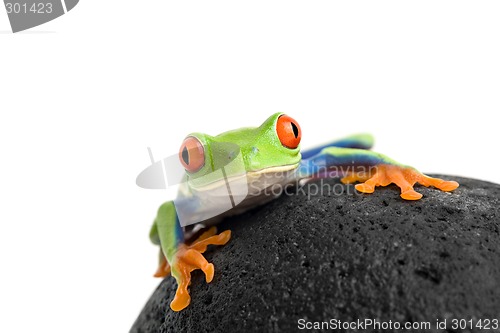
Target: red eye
<point>192,154</point>
<point>288,131</point>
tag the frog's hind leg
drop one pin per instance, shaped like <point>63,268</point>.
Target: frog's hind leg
<point>190,257</point>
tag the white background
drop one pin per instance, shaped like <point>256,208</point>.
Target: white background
<point>83,96</point>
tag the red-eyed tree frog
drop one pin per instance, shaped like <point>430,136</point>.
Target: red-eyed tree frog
<point>269,156</point>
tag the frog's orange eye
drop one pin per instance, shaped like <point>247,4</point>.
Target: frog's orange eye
<point>288,131</point>
<point>192,154</point>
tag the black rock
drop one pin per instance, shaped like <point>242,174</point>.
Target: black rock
<point>347,256</point>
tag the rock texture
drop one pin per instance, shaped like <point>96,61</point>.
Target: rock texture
<point>347,256</point>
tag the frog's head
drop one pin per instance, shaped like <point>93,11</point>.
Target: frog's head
<point>270,148</point>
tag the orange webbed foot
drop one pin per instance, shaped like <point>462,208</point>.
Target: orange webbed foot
<point>402,176</point>
<point>190,257</point>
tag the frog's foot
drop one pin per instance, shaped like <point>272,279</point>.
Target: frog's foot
<point>402,176</point>
<point>188,258</point>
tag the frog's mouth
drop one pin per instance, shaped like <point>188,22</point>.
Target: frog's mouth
<point>250,181</point>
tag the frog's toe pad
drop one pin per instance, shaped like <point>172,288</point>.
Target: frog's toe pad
<point>209,272</point>
<point>181,300</point>
<point>448,186</point>
<point>411,195</point>
<point>365,188</point>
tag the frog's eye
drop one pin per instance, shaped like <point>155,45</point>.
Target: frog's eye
<point>288,131</point>
<point>192,154</point>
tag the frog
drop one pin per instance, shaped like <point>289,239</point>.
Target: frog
<point>267,156</point>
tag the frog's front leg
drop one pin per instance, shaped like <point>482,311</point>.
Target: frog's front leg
<point>374,169</point>
<point>180,258</point>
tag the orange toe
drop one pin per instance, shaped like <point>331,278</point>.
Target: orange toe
<point>201,243</point>
<point>365,188</point>
<point>448,186</point>
<point>209,271</point>
<point>181,300</point>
